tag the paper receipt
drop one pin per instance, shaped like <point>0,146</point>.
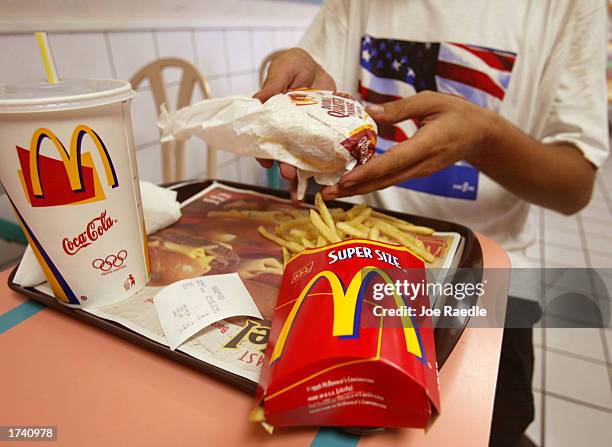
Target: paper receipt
<point>188,306</point>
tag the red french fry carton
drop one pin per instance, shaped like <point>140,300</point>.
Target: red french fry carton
<point>344,349</point>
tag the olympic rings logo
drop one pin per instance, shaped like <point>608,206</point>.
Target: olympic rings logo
<point>110,262</point>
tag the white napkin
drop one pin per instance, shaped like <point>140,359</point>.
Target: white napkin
<point>160,209</point>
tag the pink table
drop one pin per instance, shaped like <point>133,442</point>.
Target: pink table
<point>100,390</point>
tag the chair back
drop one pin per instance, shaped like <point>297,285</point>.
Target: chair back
<point>173,168</point>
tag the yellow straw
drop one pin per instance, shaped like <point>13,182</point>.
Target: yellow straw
<point>47,57</point>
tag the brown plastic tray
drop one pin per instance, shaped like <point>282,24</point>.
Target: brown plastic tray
<point>446,337</point>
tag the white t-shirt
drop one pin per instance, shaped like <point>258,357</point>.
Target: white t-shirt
<point>540,64</point>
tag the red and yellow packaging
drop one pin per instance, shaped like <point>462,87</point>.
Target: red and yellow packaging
<point>333,359</point>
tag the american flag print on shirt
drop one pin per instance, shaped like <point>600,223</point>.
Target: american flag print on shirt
<point>394,69</point>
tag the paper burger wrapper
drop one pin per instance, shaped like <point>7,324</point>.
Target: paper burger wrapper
<point>323,134</point>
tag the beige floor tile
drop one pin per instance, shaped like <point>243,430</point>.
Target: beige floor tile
<point>557,220</point>
<point>570,425</point>
<point>596,209</point>
<point>539,357</point>
<point>599,261</point>
<point>534,431</point>
<point>608,333</point>
<point>563,236</point>
<point>578,379</point>
<point>571,257</point>
<point>602,229</point>
<point>584,342</point>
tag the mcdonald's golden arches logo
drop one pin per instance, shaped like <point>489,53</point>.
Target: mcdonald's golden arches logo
<point>347,308</point>
<point>72,179</point>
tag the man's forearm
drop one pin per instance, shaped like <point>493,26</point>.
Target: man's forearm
<point>555,176</point>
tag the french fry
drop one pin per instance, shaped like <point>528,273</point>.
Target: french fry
<point>318,226</point>
<point>337,213</point>
<point>285,226</point>
<point>374,233</point>
<point>307,243</point>
<point>362,227</point>
<point>356,209</point>
<point>286,255</point>
<point>404,225</point>
<point>297,214</point>
<point>363,215</point>
<point>297,234</point>
<point>325,214</point>
<point>408,241</point>
<point>387,217</point>
<point>268,216</point>
<point>351,230</point>
<point>293,246</point>
<point>329,234</point>
<point>416,229</point>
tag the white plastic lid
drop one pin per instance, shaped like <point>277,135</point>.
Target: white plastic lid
<point>68,94</point>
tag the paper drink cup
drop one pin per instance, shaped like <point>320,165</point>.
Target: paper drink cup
<point>69,170</point>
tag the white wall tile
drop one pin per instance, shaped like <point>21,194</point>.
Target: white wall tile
<point>195,158</point>
<point>131,51</point>
<point>20,59</point>
<point>81,55</point>
<point>570,425</point>
<point>263,44</point>
<point>224,157</point>
<point>239,49</point>
<point>245,84</point>
<point>252,173</point>
<point>150,164</point>
<point>144,118</point>
<point>212,58</point>
<point>297,35</point>
<point>219,87</point>
<point>174,44</point>
<point>284,39</point>
<point>578,379</point>
<point>229,171</point>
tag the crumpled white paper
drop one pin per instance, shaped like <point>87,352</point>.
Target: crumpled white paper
<point>324,134</point>
<point>160,209</point>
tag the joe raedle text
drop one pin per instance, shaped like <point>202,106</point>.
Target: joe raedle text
<point>424,311</point>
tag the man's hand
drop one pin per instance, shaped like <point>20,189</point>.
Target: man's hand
<point>451,129</point>
<point>293,68</point>
<point>555,176</point>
